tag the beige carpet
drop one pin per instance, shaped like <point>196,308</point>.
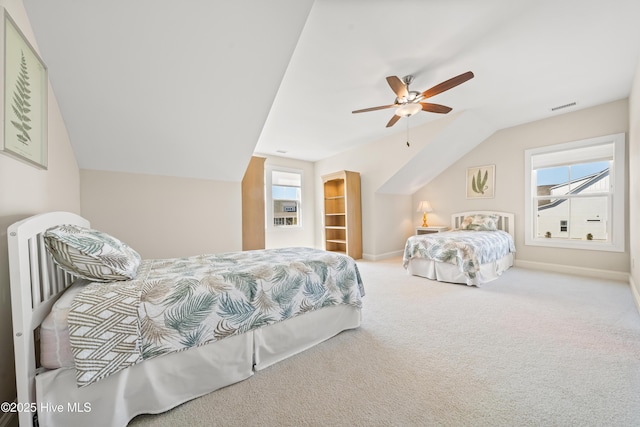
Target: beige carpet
<point>529,349</point>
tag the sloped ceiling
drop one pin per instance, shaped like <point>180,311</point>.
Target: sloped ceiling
<point>193,88</point>
<point>165,87</point>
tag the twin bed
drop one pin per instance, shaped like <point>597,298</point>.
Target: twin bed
<point>177,329</point>
<point>477,250</point>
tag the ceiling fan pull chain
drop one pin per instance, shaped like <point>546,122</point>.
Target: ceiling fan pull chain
<point>408,145</point>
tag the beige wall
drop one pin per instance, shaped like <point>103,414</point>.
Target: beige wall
<point>506,149</point>
<point>25,191</point>
<point>634,184</point>
<point>164,217</point>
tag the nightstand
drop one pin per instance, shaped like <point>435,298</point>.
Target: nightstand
<point>431,229</point>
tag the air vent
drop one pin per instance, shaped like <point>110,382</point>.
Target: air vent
<point>559,107</point>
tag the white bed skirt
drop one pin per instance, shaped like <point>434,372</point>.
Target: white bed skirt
<point>150,387</point>
<point>445,272</point>
<point>165,382</point>
<point>273,344</point>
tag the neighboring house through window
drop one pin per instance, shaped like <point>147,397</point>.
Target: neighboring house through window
<point>575,194</point>
<point>563,225</point>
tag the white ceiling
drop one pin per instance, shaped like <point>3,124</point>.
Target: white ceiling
<point>192,88</point>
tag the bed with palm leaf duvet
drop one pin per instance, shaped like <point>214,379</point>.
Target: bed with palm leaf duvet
<point>121,336</point>
<point>188,302</point>
<point>478,248</point>
<point>275,301</point>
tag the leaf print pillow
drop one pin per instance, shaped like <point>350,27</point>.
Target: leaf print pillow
<point>91,254</point>
<point>480,222</point>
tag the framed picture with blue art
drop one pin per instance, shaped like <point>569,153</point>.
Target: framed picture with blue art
<point>24,110</point>
<point>481,182</point>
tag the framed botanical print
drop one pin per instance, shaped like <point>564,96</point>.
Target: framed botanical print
<point>24,110</point>
<point>481,182</point>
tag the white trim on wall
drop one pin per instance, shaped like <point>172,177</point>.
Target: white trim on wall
<point>380,257</point>
<point>577,271</point>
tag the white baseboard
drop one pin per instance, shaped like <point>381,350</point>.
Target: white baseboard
<point>370,257</point>
<point>579,271</point>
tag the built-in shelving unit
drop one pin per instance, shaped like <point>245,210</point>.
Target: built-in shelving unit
<point>342,213</point>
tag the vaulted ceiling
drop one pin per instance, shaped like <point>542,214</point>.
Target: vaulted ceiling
<point>193,88</point>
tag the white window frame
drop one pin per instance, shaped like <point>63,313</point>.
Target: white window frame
<point>617,202</point>
<point>269,169</point>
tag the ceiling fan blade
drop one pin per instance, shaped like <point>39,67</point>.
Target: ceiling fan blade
<point>435,108</point>
<point>398,86</point>
<point>393,121</point>
<point>382,107</point>
<point>448,84</point>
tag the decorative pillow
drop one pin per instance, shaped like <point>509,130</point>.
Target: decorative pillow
<point>480,222</point>
<point>91,254</point>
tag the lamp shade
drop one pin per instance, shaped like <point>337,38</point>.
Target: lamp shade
<point>424,206</point>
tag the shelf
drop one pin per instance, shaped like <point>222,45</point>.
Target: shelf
<point>342,213</point>
<point>339,252</point>
<point>336,241</point>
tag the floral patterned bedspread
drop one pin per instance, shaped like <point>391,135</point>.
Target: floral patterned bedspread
<point>179,303</point>
<point>466,249</point>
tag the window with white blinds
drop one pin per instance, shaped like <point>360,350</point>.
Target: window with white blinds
<point>284,196</point>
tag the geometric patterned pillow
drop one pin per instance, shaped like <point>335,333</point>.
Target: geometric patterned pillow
<point>91,254</point>
<point>480,222</point>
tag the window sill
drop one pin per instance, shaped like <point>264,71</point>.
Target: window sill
<point>588,245</point>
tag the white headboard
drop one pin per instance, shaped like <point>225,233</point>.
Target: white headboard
<point>505,220</point>
<point>36,283</point>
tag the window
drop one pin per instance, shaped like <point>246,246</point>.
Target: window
<point>575,194</point>
<point>284,198</point>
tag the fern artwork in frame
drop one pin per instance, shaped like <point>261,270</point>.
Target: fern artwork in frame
<point>481,182</point>
<point>25,97</point>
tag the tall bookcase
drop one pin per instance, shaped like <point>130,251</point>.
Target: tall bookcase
<point>343,213</point>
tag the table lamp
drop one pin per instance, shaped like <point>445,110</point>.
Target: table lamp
<point>424,207</point>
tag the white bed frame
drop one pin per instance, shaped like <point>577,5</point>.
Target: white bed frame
<point>445,272</point>
<point>151,387</point>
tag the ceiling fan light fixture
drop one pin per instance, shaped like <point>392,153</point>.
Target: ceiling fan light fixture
<point>409,109</point>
